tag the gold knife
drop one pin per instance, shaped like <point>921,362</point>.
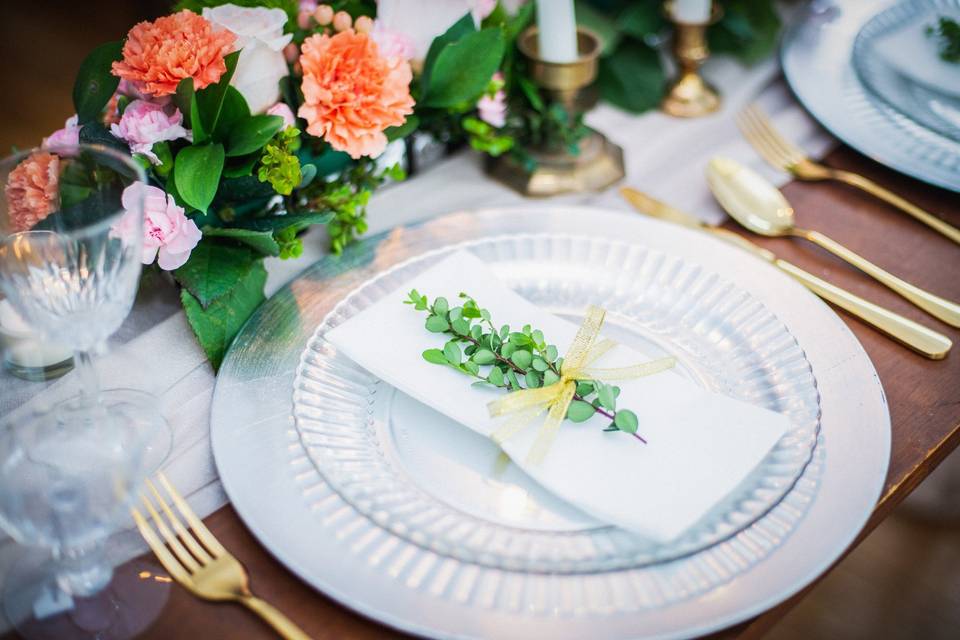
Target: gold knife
<point>924,341</point>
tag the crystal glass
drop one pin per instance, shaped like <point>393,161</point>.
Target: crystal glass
<point>71,235</point>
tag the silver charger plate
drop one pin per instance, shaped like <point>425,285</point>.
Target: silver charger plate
<point>279,493</point>
<point>430,481</point>
<point>933,109</point>
<point>816,56</point>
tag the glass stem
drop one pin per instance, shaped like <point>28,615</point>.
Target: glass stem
<point>89,382</point>
<point>83,571</point>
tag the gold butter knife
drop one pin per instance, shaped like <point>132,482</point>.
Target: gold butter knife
<point>924,341</point>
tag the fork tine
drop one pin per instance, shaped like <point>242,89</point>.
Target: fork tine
<point>790,150</point>
<point>169,562</point>
<point>199,552</point>
<point>200,529</point>
<point>178,549</point>
<point>760,144</point>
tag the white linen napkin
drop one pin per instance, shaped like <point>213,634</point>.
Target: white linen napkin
<point>700,445</point>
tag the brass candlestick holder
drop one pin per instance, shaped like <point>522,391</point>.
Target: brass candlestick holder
<point>599,162</point>
<point>690,96</point>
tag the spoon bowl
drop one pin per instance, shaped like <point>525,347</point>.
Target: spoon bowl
<point>749,198</point>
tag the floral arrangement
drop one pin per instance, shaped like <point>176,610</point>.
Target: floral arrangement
<point>257,119</point>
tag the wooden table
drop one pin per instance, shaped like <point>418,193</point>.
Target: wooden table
<point>924,397</point>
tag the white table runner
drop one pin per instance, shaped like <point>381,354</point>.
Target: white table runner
<point>664,155</point>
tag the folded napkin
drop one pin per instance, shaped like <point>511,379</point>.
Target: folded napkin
<point>700,445</point>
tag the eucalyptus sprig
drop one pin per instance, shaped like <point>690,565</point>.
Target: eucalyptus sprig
<point>512,360</point>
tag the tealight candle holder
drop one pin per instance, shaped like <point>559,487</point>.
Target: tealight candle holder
<point>599,162</point>
<point>689,95</point>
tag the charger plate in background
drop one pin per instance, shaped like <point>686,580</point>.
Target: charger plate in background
<point>309,527</point>
<point>817,60</point>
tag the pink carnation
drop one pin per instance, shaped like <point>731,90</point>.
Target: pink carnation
<point>69,136</point>
<point>168,235</point>
<point>283,110</point>
<point>32,190</point>
<point>145,123</point>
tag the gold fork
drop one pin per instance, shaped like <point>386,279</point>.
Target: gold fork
<point>197,560</point>
<point>785,155</point>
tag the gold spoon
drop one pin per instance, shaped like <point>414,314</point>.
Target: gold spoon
<point>760,207</point>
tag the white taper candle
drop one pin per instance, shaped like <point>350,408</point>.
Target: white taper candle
<point>557,27</point>
<point>691,11</point>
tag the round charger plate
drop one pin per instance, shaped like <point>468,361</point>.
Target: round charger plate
<point>929,107</point>
<point>308,526</point>
<point>433,483</point>
<point>817,59</point>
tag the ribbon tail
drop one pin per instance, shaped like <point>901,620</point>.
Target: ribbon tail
<point>516,424</point>
<point>547,433</point>
<point>628,373</point>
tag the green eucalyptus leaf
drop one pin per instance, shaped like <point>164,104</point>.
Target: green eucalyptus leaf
<point>522,358</point>
<point>484,356</point>
<point>495,377</point>
<point>507,349</point>
<point>551,353</point>
<point>95,83</point>
<point>626,420</point>
<point>540,364</point>
<point>606,397</point>
<point>452,352</point>
<point>549,377</point>
<point>512,379</point>
<point>441,306</point>
<point>436,324</point>
<point>434,356</point>
<point>532,379</point>
<point>579,411</point>
<point>584,389</point>
<point>461,327</point>
<point>471,367</point>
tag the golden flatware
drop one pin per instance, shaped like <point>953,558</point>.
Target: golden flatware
<point>915,336</point>
<point>760,207</point>
<point>785,155</point>
<point>197,560</point>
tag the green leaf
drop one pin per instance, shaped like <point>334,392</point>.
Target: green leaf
<point>402,131</point>
<point>233,110</point>
<point>252,134</point>
<point>452,353</point>
<point>216,326</point>
<point>512,378</point>
<point>585,388</point>
<point>210,99</point>
<point>463,69</point>
<point>495,377</point>
<point>603,23</point>
<point>631,77</point>
<point>183,99</point>
<point>579,411</point>
<point>260,241</point>
<point>626,420</point>
<point>748,30</point>
<point>441,306</point>
<point>606,397</point>
<point>95,84</point>
<point>241,167</point>
<point>96,133</point>
<point>484,356</point>
<point>507,349</point>
<point>461,326</point>
<point>436,324</point>
<point>434,356</point>
<point>471,367</point>
<point>214,268</point>
<point>522,358</point>
<point>540,364</point>
<point>532,379</point>
<point>549,377</point>
<point>199,128</point>
<point>642,19</point>
<point>457,30</point>
<point>197,174</point>
<point>551,353</point>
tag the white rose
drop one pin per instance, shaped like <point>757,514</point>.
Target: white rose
<point>421,20</point>
<point>260,35</point>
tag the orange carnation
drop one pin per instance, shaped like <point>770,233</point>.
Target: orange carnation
<point>351,94</point>
<point>158,55</point>
<point>32,190</point>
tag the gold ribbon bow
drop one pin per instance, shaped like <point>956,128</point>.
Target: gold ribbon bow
<point>526,405</point>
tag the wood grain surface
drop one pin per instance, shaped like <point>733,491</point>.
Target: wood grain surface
<point>924,396</point>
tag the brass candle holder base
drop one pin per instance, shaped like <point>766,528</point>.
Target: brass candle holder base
<point>599,163</point>
<point>690,96</point>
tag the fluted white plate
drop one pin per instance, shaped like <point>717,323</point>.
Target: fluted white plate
<point>817,59</point>
<point>279,492</point>
<point>430,481</point>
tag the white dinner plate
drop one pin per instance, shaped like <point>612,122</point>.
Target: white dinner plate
<point>311,528</point>
<point>817,59</point>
